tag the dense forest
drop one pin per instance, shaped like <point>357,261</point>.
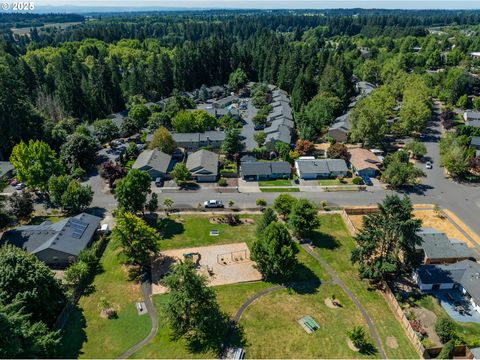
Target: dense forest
<point>93,69</point>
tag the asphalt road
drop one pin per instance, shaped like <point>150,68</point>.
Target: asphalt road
<point>436,188</point>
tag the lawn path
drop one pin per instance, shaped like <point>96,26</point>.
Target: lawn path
<point>339,282</point>
<point>146,287</point>
<point>248,302</point>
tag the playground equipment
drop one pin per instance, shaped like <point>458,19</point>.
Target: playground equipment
<point>194,257</point>
<point>232,257</point>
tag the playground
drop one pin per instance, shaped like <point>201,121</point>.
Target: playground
<point>221,264</point>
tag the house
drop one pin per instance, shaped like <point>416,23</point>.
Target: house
<point>463,275</point>
<point>6,169</point>
<point>364,88</point>
<point>475,143</point>
<point>363,162</point>
<point>309,169</point>
<point>118,118</point>
<point>56,244</point>
<point>203,165</point>
<point>154,162</point>
<point>283,134</point>
<point>224,102</point>
<point>195,141</point>
<point>437,248</point>
<point>340,128</point>
<point>471,116</point>
<point>255,171</point>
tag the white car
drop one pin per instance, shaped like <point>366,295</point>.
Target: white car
<point>428,165</point>
<point>20,186</point>
<point>213,204</point>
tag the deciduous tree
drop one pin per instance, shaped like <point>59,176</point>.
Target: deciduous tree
<point>303,218</point>
<point>131,191</point>
<point>163,140</point>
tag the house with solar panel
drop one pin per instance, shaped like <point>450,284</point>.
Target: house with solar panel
<point>56,244</point>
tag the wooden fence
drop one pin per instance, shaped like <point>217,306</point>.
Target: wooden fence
<point>400,315</point>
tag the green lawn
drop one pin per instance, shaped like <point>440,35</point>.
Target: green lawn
<point>342,188</point>
<point>182,231</point>
<point>271,329</point>
<point>87,334</point>
<point>268,189</point>
<point>278,182</point>
<point>470,332</point>
<point>37,220</point>
<point>334,244</point>
<point>328,182</point>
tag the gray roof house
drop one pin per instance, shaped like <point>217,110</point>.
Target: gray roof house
<point>6,169</point>
<point>340,128</point>
<point>154,162</point>
<point>255,171</point>
<point>464,275</point>
<point>320,168</point>
<point>437,248</point>
<point>283,134</point>
<point>475,142</point>
<point>471,115</point>
<point>195,141</point>
<point>203,165</point>
<point>57,243</point>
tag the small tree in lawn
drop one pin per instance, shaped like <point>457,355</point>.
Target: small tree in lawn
<point>167,203</point>
<point>275,252</point>
<point>181,174</point>
<point>21,205</point>
<point>358,337</point>
<point>231,203</point>
<point>303,218</point>
<point>437,210</point>
<point>138,240</point>
<point>267,218</point>
<point>283,204</point>
<point>192,310</point>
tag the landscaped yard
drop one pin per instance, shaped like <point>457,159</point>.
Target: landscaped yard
<point>331,182</point>
<point>271,189</point>
<point>334,244</point>
<point>278,182</point>
<point>470,332</point>
<point>87,335</point>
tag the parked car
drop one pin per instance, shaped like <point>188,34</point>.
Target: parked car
<point>428,165</point>
<point>159,182</point>
<point>213,204</point>
<point>367,181</point>
<point>20,186</point>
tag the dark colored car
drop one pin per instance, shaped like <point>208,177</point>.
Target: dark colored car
<point>367,181</point>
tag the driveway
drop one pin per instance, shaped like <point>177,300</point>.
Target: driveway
<point>248,129</point>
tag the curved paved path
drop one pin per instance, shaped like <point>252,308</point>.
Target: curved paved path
<point>339,282</point>
<point>146,287</point>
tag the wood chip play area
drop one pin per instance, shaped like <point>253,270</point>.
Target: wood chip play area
<point>221,264</point>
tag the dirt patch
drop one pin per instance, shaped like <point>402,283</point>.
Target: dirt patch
<point>430,220</point>
<point>392,342</point>
<point>427,318</point>
<point>351,346</point>
<point>331,304</point>
<point>221,264</point>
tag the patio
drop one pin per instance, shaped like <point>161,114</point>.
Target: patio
<point>457,306</point>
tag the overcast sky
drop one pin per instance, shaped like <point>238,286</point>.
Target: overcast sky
<point>275,4</point>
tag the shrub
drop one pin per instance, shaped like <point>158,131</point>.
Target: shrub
<point>261,202</point>
<point>445,329</point>
<point>222,182</point>
<point>358,337</point>
<point>357,180</point>
<point>447,350</point>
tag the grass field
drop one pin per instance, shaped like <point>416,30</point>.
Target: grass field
<point>342,188</point>
<point>90,336</point>
<point>268,326</point>
<point>334,244</point>
<point>470,332</point>
<point>279,182</point>
<point>194,230</point>
<point>268,189</point>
